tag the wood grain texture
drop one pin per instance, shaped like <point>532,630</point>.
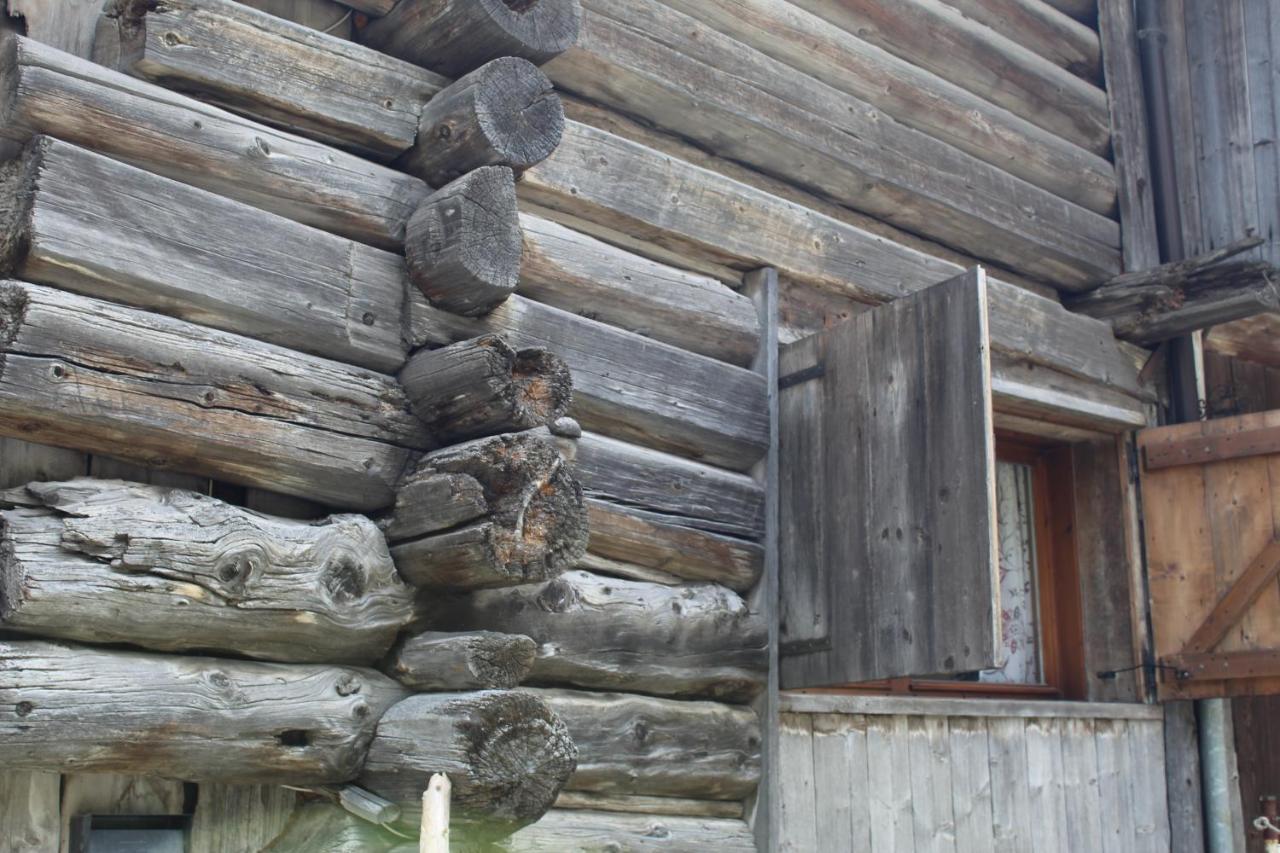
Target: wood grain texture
<point>937,37</point>
<point>652,61</point>
<point>914,96</point>
<point>102,561</point>
<point>47,91</point>
<point>1042,29</point>
<point>612,634</point>
<point>166,393</point>
<point>280,72</point>
<point>90,224</point>
<point>674,806</point>
<point>454,38</point>
<point>626,386</point>
<point>507,755</point>
<point>646,746</point>
<point>239,818</point>
<point>565,831</point>
<point>29,811</point>
<point>574,272</point>
<point>893,611</point>
<point>72,708</point>
<point>473,660</point>
<point>326,828</point>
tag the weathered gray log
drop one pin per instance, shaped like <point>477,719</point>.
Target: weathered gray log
<point>613,634</point>
<point>646,805</point>
<point>454,38</point>
<point>1043,30</point>
<point>660,747</point>
<point>68,708</point>
<point>566,831</point>
<point>482,387</point>
<point>505,113</point>
<point>534,525</point>
<point>104,561</point>
<point>591,278</point>
<point>82,373</point>
<point>43,90</point>
<point>286,74</point>
<point>463,242</point>
<point>506,754</point>
<point>626,385</point>
<point>87,223</point>
<point>1147,306</point>
<point>474,660</point>
<point>427,503</point>
<point>326,828</point>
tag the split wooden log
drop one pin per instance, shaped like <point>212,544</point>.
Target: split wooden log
<point>104,561</point>
<point>1148,306</point>
<point>78,372</point>
<point>43,90</point>
<point>483,387</point>
<point>286,74</point>
<point>626,385</point>
<point>613,634</point>
<point>428,502</point>
<point>505,113</point>
<point>591,278</point>
<point>77,709</point>
<point>534,523</point>
<point>463,243</point>
<point>564,831</point>
<point>475,660</point>
<point>84,222</point>
<point>629,745</point>
<point>453,38</point>
<point>506,754</point>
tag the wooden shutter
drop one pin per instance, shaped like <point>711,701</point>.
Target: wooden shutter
<point>1211,517</point>
<point>888,562</point>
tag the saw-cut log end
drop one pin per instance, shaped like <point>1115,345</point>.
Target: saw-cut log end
<point>507,755</point>
<point>466,661</point>
<point>464,243</point>
<point>505,113</point>
<point>454,38</point>
<point>535,524</point>
<point>483,387</point>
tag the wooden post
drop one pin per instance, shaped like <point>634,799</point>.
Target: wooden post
<point>435,816</point>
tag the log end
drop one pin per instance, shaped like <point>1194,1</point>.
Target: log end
<point>537,30</point>
<point>464,243</point>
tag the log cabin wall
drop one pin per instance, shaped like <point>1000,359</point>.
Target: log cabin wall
<point>833,142</point>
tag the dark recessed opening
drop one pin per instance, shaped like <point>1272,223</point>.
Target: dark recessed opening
<point>294,737</point>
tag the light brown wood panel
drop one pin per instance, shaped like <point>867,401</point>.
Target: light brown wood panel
<point>238,818</point>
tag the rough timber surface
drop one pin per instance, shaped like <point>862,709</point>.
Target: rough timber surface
<point>646,59</point>
<point>611,634</point>
<point>469,660</point>
<point>87,223</point>
<point>48,91</point>
<point>103,561</point>
<point>580,831</point>
<point>103,378</point>
<point>73,708</point>
<point>280,72</point>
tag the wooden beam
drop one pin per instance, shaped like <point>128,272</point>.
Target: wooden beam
<point>104,561</point>
<point>914,96</point>
<point>1206,449</point>
<point>602,832</point>
<point>674,806</point>
<point>1236,601</point>
<point>104,378</point>
<point>748,107</point>
<point>454,38</point>
<point>285,74</point>
<point>1220,666</point>
<point>87,223</point>
<point>75,708</point>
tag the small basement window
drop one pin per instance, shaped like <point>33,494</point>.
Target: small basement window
<point>129,833</point>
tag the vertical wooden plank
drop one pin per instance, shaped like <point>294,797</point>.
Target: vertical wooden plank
<point>1262,37</point>
<point>29,812</point>
<point>238,818</point>
<point>833,781</point>
<point>1114,786</point>
<point>1010,798</point>
<point>109,793</point>
<point>861,783</point>
<point>1182,778</point>
<point>66,24</point>
<point>1171,18</point>
<point>924,822</point>
<point>1080,785</point>
<point>1129,134</point>
<point>889,775</point>
<point>971,785</point>
<point>1044,785</point>
<point>1147,745</point>
<point>934,825</point>
<point>797,806</point>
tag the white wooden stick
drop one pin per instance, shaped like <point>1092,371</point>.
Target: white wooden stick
<point>435,816</point>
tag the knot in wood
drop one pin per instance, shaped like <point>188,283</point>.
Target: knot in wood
<point>237,568</point>
<point>344,579</point>
<point>347,684</point>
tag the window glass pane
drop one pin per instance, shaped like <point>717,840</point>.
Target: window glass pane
<point>1019,608</point>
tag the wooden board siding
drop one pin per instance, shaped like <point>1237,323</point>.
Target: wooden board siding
<point>971,776</point>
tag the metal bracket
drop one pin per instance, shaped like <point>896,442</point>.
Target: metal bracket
<point>817,371</point>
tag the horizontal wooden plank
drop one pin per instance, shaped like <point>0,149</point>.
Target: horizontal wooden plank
<point>836,703</point>
<point>602,832</point>
<point>1170,452</point>
<point>646,59</point>
<point>648,805</point>
<point>106,229</point>
<point>935,36</point>
<point>1217,666</point>
<point>625,385</point>
<point>81,102</point>
<point>913,96</point>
